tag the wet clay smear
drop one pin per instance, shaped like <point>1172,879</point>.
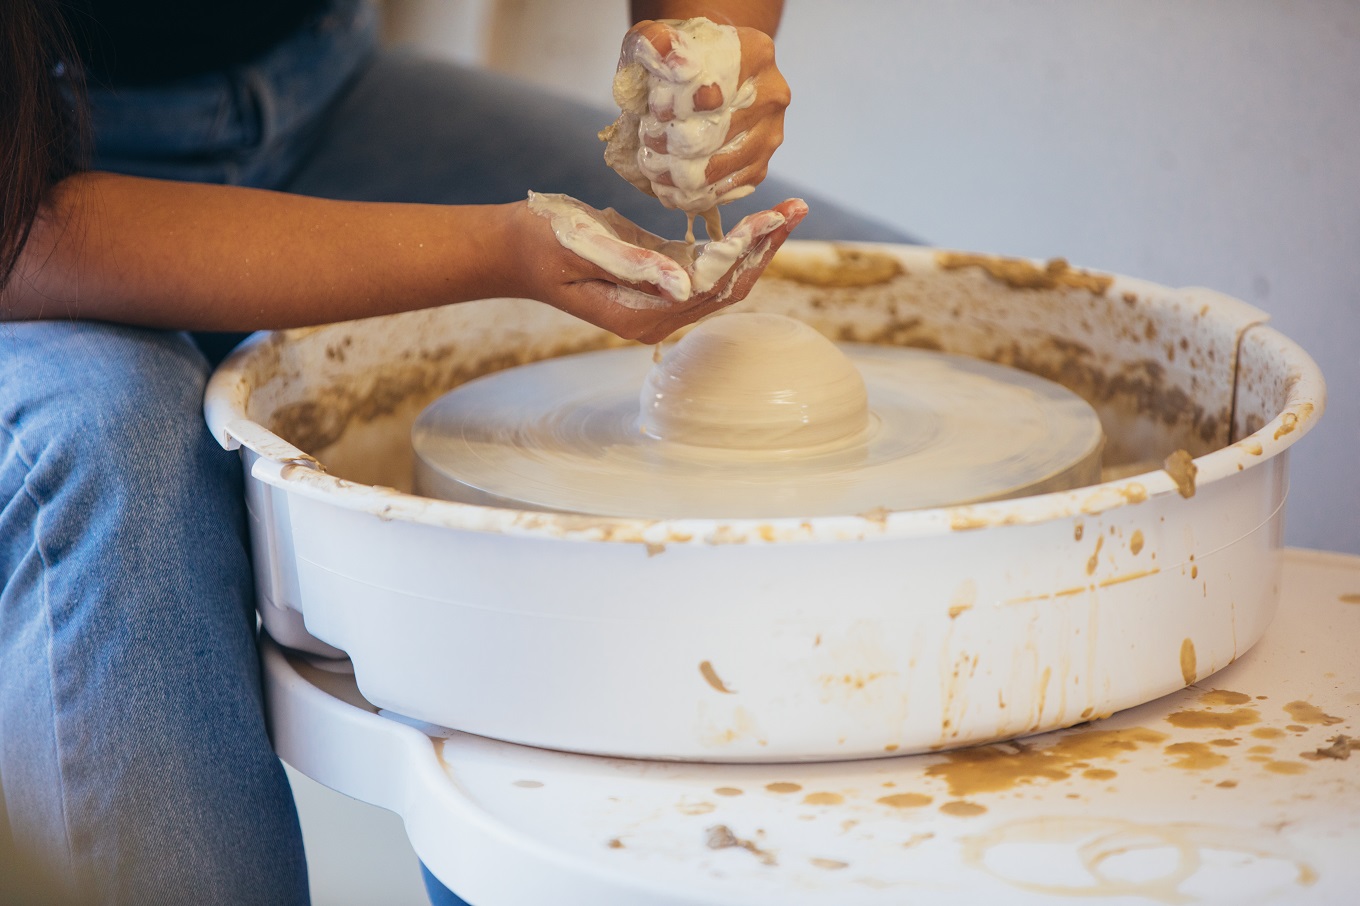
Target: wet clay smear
<point>1339,749</point>
<point>1308,713</point>
<point>1182,469</point>
<point>1020,274</point>
<point>720,836</point>
<point>711,677</point>
<point>851,267</point>
<point>993,769</point>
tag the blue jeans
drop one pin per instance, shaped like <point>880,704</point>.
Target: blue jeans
<point>134,761</point>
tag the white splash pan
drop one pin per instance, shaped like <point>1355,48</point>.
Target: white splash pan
<point>790,639</point>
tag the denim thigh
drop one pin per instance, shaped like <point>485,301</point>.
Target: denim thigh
<point>133,752</point>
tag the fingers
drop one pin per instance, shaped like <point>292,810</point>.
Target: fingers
<point>592,271</point>
<point>741,277</point>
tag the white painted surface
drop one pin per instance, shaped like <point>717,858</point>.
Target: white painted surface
<point>1216,794</point>
<point>1211,143</point>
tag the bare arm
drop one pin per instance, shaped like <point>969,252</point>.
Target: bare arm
<point>201,257</point>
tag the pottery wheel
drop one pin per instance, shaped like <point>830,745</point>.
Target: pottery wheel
<point>754,416</point>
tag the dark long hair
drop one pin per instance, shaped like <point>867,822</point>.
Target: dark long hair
<point>43,133</point>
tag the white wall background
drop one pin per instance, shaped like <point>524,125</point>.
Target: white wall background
<point>1190,142</point>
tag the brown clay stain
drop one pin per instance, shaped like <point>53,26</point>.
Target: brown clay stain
<point>1094,559</point>
<point>1340,749</point>
<point>720,836</point>
<point>1136,542</point>
<point>1224,697</point>
<point>962,809</point>
<point>905,800</point>
<point>1188,666</point>
<point>319,421</point>
<point>711,677</point>
<point>823,799</point>
<point>1307,713</point>
<point>615,843</point>
<point>1020,274</point>
<point>1288,422</point>
<point>727,791</point>
<point>1268,733</point>
<point>1227,784</point>
<point>1182,469</point>
<point>783,787</point>
<point>1289,768</point>
<point>1217,720</point>
<point>695,808</point>
<point>1349,599</point>
<point>1194,756</point>
<point>852,267</point>
<point>997,768</point>
<point>1127,577</point>
<point>829,864</point>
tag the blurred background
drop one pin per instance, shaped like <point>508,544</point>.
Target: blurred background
<point>1209,143</point>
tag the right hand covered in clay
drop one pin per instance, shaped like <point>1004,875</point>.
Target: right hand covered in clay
<point>702,111</point>
<point>605,269</point>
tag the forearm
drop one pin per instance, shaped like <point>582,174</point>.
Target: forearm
<point>190,256</point>
<point>760,14</point>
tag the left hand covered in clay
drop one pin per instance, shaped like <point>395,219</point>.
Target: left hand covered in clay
<point>605,269</point>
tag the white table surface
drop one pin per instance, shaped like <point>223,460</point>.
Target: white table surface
<point>1218,793</point>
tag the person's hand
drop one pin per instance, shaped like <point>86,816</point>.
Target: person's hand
<point>605,269</point>
<point>692,132</point>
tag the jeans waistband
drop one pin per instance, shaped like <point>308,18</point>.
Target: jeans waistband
<point>249,125</point>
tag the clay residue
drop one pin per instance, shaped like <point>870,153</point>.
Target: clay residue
<point>720,836</point>
<point>1349,599</point>
<point>1217,720</point>
<point>1188,665</point>
<point>727,791</point>
<point>905,800</point>
<point>695,808</point>
<point>1141,386</point>
<point>711,677</point>
<point>1195,756</point>
<point>852,267</point>
<point>992,769</point>
<point>1288,768</point>
<point>1136,542</point>
<point>1094,560</point>
<point>315,423</point>
<point>1182,469</point>
<point>830,864</point>
<point>1340,749</point>
<point>960,808</point>
<point>1288,422</point>
<point>823,799</point>
<point>783,787</point>
<point>1224,697</point>
<point>1097,843</point>
<point>1308,713</point>
<point>1021,274</point>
